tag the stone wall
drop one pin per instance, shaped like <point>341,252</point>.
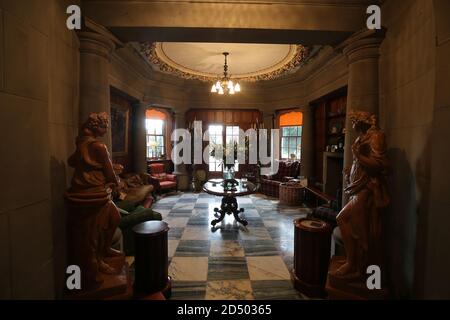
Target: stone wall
<point>38,97</point>
<point>407,80</point>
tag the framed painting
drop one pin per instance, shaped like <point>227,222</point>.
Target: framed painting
<point>119,129</point>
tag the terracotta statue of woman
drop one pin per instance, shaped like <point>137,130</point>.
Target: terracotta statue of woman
<point>360,220</point>
<point>93,217</point>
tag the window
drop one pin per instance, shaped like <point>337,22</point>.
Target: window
<point>232,138</point>
<point>291,135</point>
<point>291,142</point>
<point>155,138</point>
<point>215,138</point>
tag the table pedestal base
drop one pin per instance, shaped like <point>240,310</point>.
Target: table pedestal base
<point>229,206</point>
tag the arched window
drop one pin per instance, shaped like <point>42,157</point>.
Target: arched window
<point>291,135</point>
<point>155,124</point>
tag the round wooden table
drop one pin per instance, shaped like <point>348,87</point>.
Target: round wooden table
<point>229,203</point>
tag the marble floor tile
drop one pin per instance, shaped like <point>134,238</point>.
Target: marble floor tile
<point>227,268</point>
<point>254,222</point>
<point>201,206</point>
<point>271,223</point>
<point>259,248</point>
<point>188,290</point>
<point>267,268</point>
<point>275,290</point>
<point>182,205</point>
<point>197,220</point>
<point>162,206</point>
<point>171,200</point>
<point>193,248</point>
<point>180,213</point>
<point>226,248</point>
<point>196,233</point>
<point>229,290</point>
<point>242,200</point>
<point>254,233</point>
<point>227,232</point>
<point>175,233</point>
<point>282,232</point>
<point>164,212</point>
<point>176,222</point>
<point>285,247</point>
<point>172,247</point>
<point>189,268</point>
<point>251,213</point>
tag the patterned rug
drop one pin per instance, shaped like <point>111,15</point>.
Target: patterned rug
<point>232,262</point>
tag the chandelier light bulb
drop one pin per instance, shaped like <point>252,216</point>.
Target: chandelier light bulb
<point>225,84</point>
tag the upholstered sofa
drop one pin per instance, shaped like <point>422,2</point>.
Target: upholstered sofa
<point>270,184</point>
<point>160,179</point>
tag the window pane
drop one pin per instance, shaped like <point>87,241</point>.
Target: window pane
<point>285,131</point>
<point>284,142</point>
<point>300,130</point>
<point>284,153</point>
<point>160,141</point>
<point>293,143</point>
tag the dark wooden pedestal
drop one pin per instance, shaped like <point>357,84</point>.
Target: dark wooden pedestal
<point>311,256</point>
<point>151,259</point>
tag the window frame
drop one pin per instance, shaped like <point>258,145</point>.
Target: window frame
<point>155,135</point>
<point>298,136</point>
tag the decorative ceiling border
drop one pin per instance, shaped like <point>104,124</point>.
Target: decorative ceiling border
<point>299,56</point>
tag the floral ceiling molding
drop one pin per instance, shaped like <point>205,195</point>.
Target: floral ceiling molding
<point>204,61</point>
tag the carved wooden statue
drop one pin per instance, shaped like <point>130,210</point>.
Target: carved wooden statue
<point>360,220</point>
<point>93,217</point>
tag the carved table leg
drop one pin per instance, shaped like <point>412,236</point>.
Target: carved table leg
<point>229,206</point>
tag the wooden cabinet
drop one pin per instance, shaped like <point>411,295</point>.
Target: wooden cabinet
<point>329,134</point>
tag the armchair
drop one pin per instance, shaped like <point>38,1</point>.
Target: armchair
<point>160,179</point>
<point>270,184</point>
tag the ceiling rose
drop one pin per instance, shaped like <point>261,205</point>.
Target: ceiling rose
<point>204,61</point>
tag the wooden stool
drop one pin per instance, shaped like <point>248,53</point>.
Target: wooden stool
<point>151,259</point>
<point>311,256</point>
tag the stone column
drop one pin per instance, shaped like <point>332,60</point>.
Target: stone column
<point>307,161</point>
<point>180,169</point>
<point>95,55</point>
<point>362,52</point>
<point>140,143</point>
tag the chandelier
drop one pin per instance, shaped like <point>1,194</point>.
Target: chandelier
<point>225,85</point>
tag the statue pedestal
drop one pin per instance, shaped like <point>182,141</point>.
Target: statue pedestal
<point>113,287</point>
<point>341,289</point>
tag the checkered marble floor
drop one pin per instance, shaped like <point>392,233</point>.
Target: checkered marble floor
<point>232,262</point>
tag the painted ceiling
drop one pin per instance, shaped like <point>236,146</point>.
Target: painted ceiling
<point>205,61</point>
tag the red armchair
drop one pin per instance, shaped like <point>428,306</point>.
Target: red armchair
<point>270,184</point>
<point>161,180</point>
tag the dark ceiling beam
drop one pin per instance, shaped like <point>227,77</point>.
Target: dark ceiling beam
<point>276,22</point>
<point>230,35</point>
